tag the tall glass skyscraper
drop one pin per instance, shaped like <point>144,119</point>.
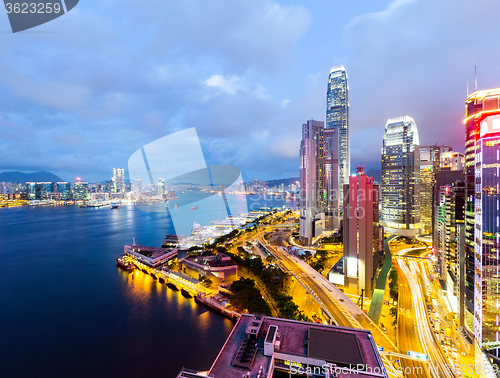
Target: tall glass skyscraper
<point>31,190</point>
<point>337,116</point>
<point>482,214</point>
<point>80,191</point>
<point>312,178</point>
<point>118,180</point>
<point>401,177</point>
<point>63,188</point>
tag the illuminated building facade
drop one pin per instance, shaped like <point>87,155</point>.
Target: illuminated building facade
<point>450,216</point>
<point>401,177</point>
<point>43,189</point>
<point>80,191</point>
<point>31,190</point>
<point>319,177</point>
<point>63,189</point>
<point>427,179</point>
<point>118,180</point>
<point>312,178</point>
<point>337,117</point>
<point>453,160</point>
<point>361,233</point>
<point>482,230</point>
<point>332,178</point>
<point>430,157</point>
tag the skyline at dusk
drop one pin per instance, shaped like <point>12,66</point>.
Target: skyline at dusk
<point>246,76</point>
<point>251,188</point>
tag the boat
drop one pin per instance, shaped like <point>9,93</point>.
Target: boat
<point>193,208</point>
<point>172,286</point>
<point>125,265</point>
<point>186,293</point>
<point>116,205</point>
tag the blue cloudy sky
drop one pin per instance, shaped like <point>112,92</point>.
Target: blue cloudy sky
<point>80,94</point>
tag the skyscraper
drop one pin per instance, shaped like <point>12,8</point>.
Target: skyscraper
<point>482,229</point>
<point>119,179</point>
<point>43,189</point>
<point>63,188</point>
<point>312,178</point>
<point>360,214</point>
<point>332,178</point>
<point>430,158</point>
<point>80,190</point>
<point>31,190</point>
<point>449,217</point>
<point>337,117</point>
<point>401,177</point>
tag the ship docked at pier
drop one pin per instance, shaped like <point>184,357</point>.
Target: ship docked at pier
<point>124,264</point>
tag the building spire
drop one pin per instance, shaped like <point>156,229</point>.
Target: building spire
<point>475,78</point>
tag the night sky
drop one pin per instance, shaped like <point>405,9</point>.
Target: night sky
<point>80,94</point>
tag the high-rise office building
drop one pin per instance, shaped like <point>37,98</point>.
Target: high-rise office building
<point>43,189</point>
<point>361,233</point>
<point>312,178</point>
<point>31,190</point>
<point>427,180</point>
<point>332,179</point>
<point>452,160</point>
<point>319,177</point>
<point>81,190</point>
<point>401,177</point>
<point>430,158</point>
<point>482,229</point>
<point>63,189</point>
<point>337,117</point>
<point>160,187</point>
<point>449,216</point>
<point>119,180</point>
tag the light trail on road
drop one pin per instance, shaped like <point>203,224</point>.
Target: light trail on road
<point>428,342</point>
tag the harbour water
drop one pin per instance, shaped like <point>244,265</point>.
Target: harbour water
<point>66,310</point>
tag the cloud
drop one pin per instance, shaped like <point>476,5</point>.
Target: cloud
<point>116,75</point>
<point>230,86</point>
<point>381,15</point>
<point>233,85</point>
<point>415,59</point>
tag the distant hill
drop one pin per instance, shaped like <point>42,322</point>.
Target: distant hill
<point>376,174</point>
<point>22,178</point>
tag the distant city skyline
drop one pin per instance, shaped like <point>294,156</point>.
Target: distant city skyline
<point>246,75</point>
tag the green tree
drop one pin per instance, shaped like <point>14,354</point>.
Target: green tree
<point>393,311</point>
<point>221,249</point>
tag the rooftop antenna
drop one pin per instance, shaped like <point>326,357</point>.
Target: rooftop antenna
<point>475,78</point>
<point>133,242</point>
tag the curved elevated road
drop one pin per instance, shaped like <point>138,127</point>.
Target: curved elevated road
<point>335,303</point>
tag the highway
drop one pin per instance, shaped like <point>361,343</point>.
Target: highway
<point>414,330</point>
<point>342,310</point>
